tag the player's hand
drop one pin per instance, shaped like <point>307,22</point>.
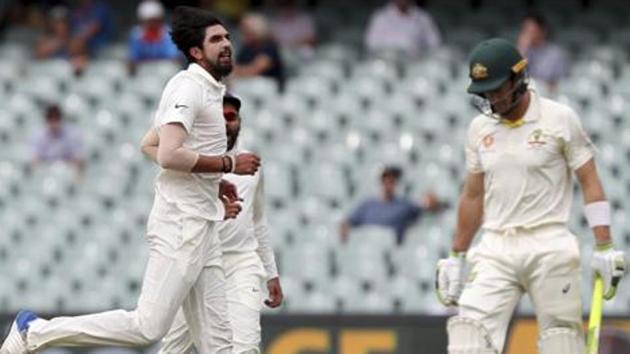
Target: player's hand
<point>610,264</point>
<point>275,293</point>
<point>246,164</point>
<point>228,190</point>
<point>449,278</point>
<point>232,208</point>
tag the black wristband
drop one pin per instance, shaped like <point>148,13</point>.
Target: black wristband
<point>227,167</point>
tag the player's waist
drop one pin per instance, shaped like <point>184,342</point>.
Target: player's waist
<point>525,230</point>
<point>233,261</point>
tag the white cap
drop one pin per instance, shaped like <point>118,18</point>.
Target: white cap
<point>148,10</point>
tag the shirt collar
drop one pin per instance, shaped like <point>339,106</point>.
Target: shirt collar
<point>531,115</point>
<point>197,69</point>
<point>533,111</point>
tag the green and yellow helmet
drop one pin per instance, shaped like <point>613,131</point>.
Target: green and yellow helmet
<point>491,63</point>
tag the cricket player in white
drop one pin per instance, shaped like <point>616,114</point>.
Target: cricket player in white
<point>520,154</point>
<point>184,269</point>
<point>248,258</point>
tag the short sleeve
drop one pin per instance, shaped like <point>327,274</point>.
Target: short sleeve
<point>473,160</point>
<point>356,217</point>
<point>578,148</point>
<point>180,103</point>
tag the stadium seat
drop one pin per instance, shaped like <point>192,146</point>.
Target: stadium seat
<point>256,90</point>
<point>316,302</point>
<point>58,69</point>
<point>364,263</point>
<point>163,69</point>
<point>316,269</point>
<point>105,69</point>
<point>43,88</point>
<point>374,237</point>
<point>370,303</point>
<point>13,51</point>
<point>576,38</point>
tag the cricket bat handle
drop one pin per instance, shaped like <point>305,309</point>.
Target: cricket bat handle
<point>595,317</point>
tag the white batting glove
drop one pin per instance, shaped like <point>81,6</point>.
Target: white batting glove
<point>610,264</point>
<point>449,279</point>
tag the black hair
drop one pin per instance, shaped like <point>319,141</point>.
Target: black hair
<point>53,110</point>
<point>539,19</point>
<point>189,28</point>
<point>392,171</point>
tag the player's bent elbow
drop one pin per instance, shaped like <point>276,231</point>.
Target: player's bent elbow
<point>166,160</point>
<point>165,163</point>
<point>153,332</point>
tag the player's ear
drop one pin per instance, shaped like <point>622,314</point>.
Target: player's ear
<point>196,53</point>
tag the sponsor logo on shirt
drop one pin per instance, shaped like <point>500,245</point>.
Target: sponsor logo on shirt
<point>566,288</point>
<point>536,138</point>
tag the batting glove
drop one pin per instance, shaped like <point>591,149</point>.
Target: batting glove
<point>449,279</point>
<point>609,264</point>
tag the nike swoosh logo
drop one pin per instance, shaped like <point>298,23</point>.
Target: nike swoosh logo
<point>177,106</point>
<point>566,288</point>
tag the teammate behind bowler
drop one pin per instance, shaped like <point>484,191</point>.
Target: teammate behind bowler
<point>248,258</point>
<point>520,154</point>
<point>184,269</point>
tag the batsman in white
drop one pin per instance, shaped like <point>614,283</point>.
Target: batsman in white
<point>248,258</point>
<point>184,269</point>
<point>520,156</point>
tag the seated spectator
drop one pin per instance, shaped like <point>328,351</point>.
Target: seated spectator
<point>58,141</point>
<point>547,62</point>
<point>388,209</point>
<point>54,42</point>
<point>259,54</point>
<point>150,40</point>
<point>294,29</point>
<point>403,26</point>
<point>91,27</point>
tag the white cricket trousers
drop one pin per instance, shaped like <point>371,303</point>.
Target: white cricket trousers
<point>543,262</point>
<point>184,270</point>
<point>244,276</point>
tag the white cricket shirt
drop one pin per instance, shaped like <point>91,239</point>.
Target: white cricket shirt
<point>248,233</point>
<point>527,169</point>
<point>194,99</point>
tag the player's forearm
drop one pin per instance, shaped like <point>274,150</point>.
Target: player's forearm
<point>173,155</point>
<point>264,250</point>
<point>469,216</point>
<point>593,193</point>
<point>185,160</point>
<point>213,164</point>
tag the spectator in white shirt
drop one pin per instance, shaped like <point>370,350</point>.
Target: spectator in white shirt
<point>58,141</point>
<point>293,29</point>
<point>403,26</point>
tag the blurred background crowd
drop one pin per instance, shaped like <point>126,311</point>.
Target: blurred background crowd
<point>339,97</point>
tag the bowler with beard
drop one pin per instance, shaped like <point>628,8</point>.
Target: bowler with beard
<point>248,258</point>
<point>184,268</point>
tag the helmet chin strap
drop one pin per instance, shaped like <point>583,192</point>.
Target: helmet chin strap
<point>516,94</point>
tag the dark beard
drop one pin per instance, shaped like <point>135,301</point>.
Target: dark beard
<point>219,71</point>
